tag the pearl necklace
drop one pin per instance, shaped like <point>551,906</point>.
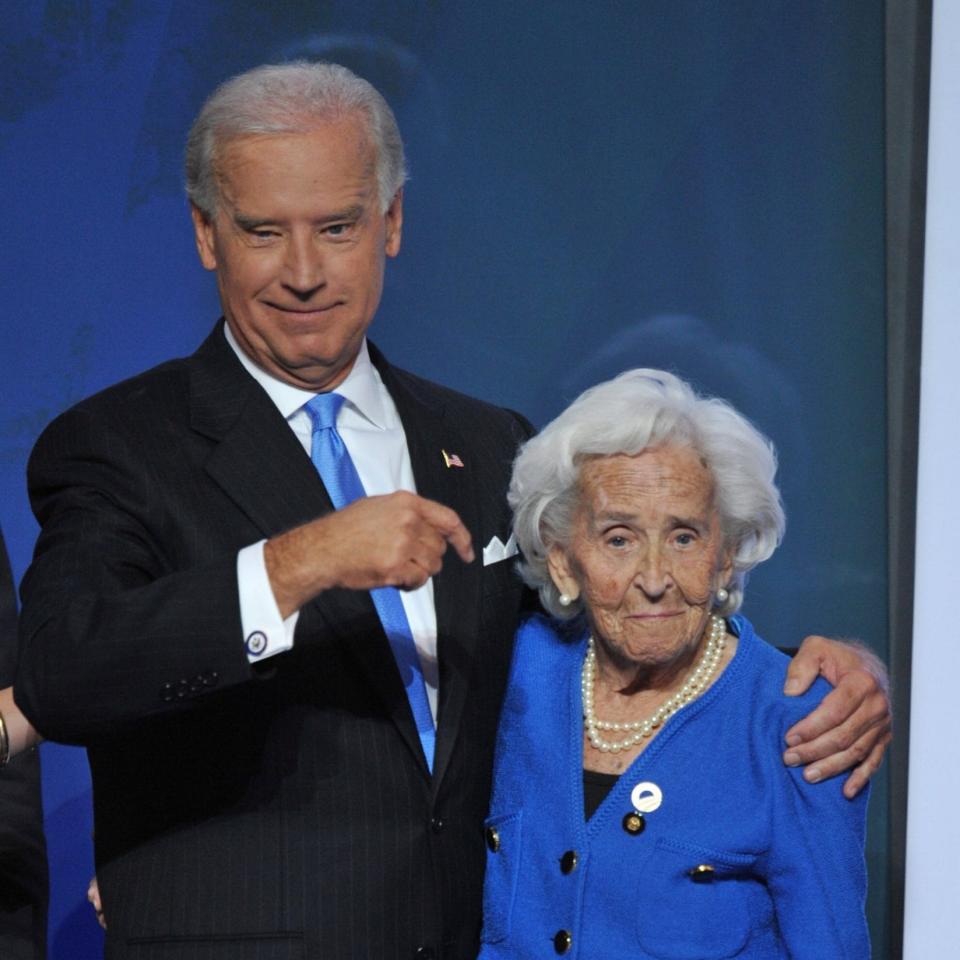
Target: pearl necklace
<point>693,686</point>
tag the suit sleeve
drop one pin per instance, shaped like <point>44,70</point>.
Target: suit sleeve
<point>111,629</point>
<point>815,870</point>
<point>8,620</point>
<point>23,867</point>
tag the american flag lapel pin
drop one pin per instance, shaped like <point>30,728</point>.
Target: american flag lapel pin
<point>451,459</point>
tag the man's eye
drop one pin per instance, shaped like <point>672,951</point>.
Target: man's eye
<point>684,539</point>
<point>337,229</point>
<point>617,540</point>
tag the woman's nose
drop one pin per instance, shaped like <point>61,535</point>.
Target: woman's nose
<point>652,574</point>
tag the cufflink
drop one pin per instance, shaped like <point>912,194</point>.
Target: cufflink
<point>256,643</point>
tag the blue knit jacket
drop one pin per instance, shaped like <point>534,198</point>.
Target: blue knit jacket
<point>788,876</point>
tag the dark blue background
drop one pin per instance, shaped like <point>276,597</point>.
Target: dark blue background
<point>594,186</point>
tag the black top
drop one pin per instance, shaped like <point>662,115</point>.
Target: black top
<point>596,786</point>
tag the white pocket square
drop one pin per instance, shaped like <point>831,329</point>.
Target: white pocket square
<point>496,550</point>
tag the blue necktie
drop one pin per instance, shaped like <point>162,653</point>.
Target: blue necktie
<point>332,460</point>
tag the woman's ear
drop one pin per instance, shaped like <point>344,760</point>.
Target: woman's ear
<point>725,573</point>
<point>561,573</point>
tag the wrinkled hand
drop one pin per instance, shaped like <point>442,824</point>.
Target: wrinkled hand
<point>93,896</point>
<point>852,726</point>
<point>396,540</point>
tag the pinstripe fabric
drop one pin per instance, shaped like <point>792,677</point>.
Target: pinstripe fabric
<point>284,809</point>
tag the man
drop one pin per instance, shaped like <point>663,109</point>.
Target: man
<point>23,860</point>
<point>286,764</point>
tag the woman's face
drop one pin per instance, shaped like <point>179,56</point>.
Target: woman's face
<point>646,554</point>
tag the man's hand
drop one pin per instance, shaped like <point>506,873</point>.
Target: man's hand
<point>93,898</point>
<point>396,540</point>
<point>20,733</point>
<point>853,724</point>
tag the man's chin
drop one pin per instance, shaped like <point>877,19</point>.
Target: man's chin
<point>318,375</point>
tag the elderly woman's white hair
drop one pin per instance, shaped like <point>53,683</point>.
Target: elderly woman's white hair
<point>636,410</point>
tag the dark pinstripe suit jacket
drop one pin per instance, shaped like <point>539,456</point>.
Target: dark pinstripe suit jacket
<point>283,810</point>
<point>23,862</point>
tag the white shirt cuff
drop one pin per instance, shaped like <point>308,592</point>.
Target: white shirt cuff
<point>265,632</point>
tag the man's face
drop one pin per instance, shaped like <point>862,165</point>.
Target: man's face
<point>298,243</point>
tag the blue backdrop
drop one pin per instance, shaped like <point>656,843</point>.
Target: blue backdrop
<point>594,186</point>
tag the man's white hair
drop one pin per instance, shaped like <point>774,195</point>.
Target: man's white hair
<point>290,98</point>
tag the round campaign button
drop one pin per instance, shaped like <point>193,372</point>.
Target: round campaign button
<point>646,797</point>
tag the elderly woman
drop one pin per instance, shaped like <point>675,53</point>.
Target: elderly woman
<point>640,806</point>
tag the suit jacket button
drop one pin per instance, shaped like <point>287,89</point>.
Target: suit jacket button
<point>424,953</point>
<point>563,941</point>
<point>568,861</point>
<point>166,693</point>
<point>437,824</point>
<point>493,839</point>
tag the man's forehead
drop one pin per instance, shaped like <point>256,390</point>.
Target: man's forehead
<point>347,131</point>
<point>336,157</point>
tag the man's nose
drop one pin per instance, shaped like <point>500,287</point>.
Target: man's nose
<point>303,270</point>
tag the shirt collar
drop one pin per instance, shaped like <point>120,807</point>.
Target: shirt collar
<point>361,387</point>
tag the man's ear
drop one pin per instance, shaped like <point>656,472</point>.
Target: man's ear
<point>203,233</point>
<point>561,572</point>
<point>393,224</point>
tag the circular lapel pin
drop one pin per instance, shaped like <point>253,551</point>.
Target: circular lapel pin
<point>646,797</point>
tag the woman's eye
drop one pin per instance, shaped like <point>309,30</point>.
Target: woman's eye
<point>684,539</point>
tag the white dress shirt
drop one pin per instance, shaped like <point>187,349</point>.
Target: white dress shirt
<point>372,432</point>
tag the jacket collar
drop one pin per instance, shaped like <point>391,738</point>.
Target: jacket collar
<point>261,466</point>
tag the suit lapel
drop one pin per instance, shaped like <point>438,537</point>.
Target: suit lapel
<point>261,466</point>
<point>257,460</point>
<point>457,587</point>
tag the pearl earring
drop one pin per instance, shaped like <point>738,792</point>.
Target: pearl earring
<point>723,595</point>
<point>565,601</point>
